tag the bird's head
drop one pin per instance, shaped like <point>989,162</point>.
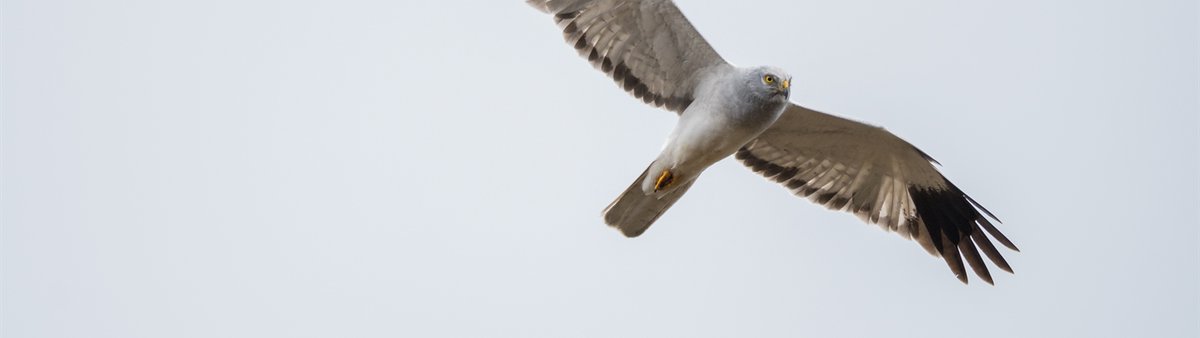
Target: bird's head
<point>772,82</point>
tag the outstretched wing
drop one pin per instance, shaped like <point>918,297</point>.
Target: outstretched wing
<point>648,47</point>
<point>868,171</point>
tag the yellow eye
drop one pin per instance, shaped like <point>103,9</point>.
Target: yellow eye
<point>769,79</point>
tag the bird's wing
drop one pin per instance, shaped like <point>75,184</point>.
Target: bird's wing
<point>648,47</point>
<point>868,171</point>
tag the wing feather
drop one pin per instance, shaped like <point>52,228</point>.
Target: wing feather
<point>868,171</point>
<point>647,47</point>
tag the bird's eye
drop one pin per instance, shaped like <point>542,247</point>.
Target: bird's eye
<point>769,79</point>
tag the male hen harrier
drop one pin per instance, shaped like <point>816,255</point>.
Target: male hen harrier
<point>651,50</point>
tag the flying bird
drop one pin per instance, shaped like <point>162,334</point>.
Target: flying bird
<point>653,52</point>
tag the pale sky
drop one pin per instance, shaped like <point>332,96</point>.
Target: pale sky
<point>369,168</point>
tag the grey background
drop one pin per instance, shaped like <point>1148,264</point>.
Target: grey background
<point>437,168</point>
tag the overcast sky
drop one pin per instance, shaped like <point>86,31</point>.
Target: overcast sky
<point>363,168</point>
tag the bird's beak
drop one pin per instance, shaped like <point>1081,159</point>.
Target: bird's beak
<point>783,87</point>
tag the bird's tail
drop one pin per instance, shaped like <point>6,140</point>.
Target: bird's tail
<point>634,211</point>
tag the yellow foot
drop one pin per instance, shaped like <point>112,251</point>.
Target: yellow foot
<point>664,180</point>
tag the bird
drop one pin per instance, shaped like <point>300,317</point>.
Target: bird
<point>652,51</point>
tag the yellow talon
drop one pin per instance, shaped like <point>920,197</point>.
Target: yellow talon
<point>664,180</point>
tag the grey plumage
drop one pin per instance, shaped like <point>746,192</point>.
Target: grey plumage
<point>732,108</point>
<point>648,47</point>
<point>651,51</point>
<point>634,211</point>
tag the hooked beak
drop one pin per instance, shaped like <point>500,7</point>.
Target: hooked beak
<point>784,87</point>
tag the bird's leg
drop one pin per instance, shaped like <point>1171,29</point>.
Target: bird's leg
<point>664,180</point>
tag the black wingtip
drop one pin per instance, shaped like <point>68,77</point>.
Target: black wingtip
<point>950,255</point>
<point>967,248</point>
<point>981,208</point>
<point>991,229</point>
<point>989,250</point>
<point>957,224</point>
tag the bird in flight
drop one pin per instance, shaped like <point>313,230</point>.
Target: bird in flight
<point>653,52</point>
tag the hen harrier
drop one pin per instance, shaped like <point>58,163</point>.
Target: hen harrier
<point>651,50</point>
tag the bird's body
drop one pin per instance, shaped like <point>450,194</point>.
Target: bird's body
<point>731,109</point>
<point>651,51</point>
<point>723,118</point>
